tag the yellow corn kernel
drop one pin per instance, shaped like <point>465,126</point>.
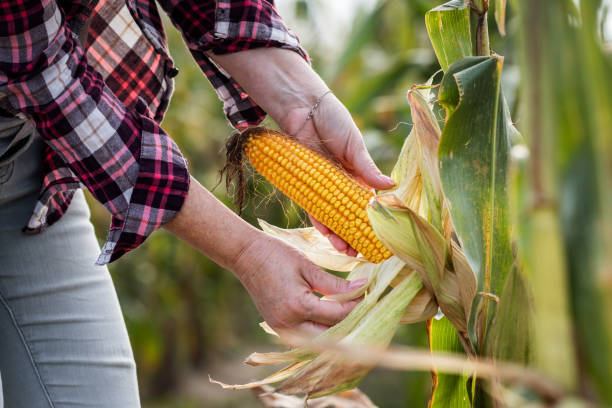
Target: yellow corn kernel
<point>328,193</point>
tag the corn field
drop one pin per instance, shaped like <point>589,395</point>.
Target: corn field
<point>497,271</point>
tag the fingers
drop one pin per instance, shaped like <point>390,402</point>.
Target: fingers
<point>361,164</point>
<point>327,312</point>
<point>322,228</point>
<point>338,243</point>
<point>328,284</point>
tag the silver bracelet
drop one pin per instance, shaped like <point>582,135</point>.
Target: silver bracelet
<point>312,111</point>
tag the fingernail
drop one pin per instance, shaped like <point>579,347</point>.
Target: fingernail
<point>357,283</point>
<point>387,180</point>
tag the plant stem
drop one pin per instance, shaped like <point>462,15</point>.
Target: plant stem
<point>479,26</point>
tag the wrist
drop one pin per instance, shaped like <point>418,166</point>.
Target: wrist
<point>277,79</point>
<point>253,254</point>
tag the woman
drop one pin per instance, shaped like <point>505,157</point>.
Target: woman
<point>83,87</point>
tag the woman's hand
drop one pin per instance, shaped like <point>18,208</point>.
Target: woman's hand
<point>287,88</point>
<point>332,131</point>
<point>282,282</point>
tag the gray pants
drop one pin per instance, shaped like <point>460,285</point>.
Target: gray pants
<point>63,341</point>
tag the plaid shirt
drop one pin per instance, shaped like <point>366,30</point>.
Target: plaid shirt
<point>98,105</point>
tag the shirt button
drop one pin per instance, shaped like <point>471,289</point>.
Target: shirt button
<point>172,72</point>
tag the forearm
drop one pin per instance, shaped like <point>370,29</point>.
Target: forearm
<point>278,80</point>
<point>212,228</point>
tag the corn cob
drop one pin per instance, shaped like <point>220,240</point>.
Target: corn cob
<point>317,185</point>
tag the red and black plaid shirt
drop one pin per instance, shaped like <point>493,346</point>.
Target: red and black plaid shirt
<point>98,105</point>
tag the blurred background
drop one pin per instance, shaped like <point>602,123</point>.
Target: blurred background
<point>187,317</point>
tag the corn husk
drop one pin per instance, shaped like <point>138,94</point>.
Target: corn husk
<point>415,241</point>
<point>314,246</point>
<point>329,373</point>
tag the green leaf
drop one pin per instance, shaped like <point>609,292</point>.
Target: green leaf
<point>448,26</point>
<point>512,328</point>
<point>415,241</point>
<point>473,157</point>
<point>500,16</point>
<point>449,390</point>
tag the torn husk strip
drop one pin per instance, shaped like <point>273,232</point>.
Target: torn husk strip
<point>383,274</point>
<point>266,327</point>
<point>274,378</point>
<point>314,246</point>
<point>348,399</point>
<point>407,175</point>
<point>428,134</point>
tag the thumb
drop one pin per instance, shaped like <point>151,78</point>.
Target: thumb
<point>328,284</point>
<point>363,166</point>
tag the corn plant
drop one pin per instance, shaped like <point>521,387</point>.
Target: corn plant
<point>502,238</point>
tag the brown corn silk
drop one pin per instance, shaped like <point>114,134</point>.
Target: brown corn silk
<point>319,186</point>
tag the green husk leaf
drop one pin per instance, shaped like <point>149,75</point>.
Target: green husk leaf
<point>423,248</point>
<point>407,174</point>
<point>448,26</point>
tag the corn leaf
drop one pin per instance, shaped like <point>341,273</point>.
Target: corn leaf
<point>473,157</point>
<point>512,327</point>
<point>500,16</point>
<point>448,26</point>
<point>449,390</point>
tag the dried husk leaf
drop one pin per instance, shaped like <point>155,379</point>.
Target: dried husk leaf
<point>407,175</point>
<point>314,246</point>
<point>266,327</point>
<point>329,373</point>
<point>274,378</point>
<point>428,133</point>
<point>466,278</point>
<point>422,307</point>
<point>347,399</point>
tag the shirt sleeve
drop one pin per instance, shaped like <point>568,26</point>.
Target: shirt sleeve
<point>122,156</point>
<point>226,26</point>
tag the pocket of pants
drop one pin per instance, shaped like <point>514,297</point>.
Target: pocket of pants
<point>6,171</point>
